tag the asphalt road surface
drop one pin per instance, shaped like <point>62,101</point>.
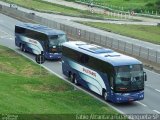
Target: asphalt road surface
<point>150,104</point>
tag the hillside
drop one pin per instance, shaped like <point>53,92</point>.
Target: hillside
<point>139,6</point>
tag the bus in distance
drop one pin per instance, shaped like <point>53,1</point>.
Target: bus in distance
<point>38,39</point>
<point>116,77</point>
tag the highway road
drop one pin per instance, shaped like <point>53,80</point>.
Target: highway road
<point>67,20</point>
<point>150,104</point>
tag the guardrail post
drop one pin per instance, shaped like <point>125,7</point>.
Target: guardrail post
<point>125,47</point>
<point>100,40</point>
<point>148,55</point>
<point>156,57</point>
<point>111,43</point>
<point>89,37</point>
<point>132,50</point>
<point>117,44</point>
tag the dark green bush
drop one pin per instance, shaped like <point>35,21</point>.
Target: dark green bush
<point>157,4</point>
<point>149,5</point>
<point>70,0</point>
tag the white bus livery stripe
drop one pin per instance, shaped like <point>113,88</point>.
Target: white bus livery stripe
<point>92,75</point>
<point>33,44</point>
<point>92,83</point>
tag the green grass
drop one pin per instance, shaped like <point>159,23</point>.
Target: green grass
<point>24,91</point>
<point>44,6</point>
<point>142,32</point>
<point>136,5</point>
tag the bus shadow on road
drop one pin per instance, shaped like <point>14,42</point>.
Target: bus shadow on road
<point>124,104</point>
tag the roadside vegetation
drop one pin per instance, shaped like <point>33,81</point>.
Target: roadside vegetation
<point>140,6</point>
<point>48,7</point>
<point>141,32</point>
<point>25,91</point>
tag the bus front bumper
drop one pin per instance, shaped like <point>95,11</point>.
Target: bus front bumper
<point>53,56</point>
<point>128,97</point>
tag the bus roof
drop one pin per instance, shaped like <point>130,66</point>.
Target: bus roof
<point>104,54</point>
<point>40,28</point>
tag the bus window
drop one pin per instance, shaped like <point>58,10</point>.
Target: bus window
<point>129,78</point>
<point>57,40</point>
<point>111,82</point>
<point>82,58</point>
<point>19,30</point>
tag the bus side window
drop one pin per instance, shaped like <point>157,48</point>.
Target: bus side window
<point>47,46</point>
<point>83,58</point>
<point>111,82</point>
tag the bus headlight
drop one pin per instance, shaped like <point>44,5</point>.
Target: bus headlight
<point>126,94</point>
<point>119,99</point>
<point>141,96</point>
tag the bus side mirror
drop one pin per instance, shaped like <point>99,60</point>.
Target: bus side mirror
<point>145,76</point>
<point>42,53</point>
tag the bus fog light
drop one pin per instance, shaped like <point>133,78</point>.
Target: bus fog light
<point>119,99</point>
<point>141,96</point>
<point>126,94</point>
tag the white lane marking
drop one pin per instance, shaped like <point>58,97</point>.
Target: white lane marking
<point>149,86</point>
<point>156,111</point>
<point>152,72</point>
<point>4,36</point>
<point>157,90</point>
<point>72,83</point>
<point>141,103</point>
<point>11,38</point>
<point>6,33</point>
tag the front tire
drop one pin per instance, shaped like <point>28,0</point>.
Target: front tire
<point>105,96</point>
<point>22,47</point>
<point>74,80</point>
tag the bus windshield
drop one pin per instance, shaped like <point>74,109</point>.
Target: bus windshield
<point>57,40</point>
<point>129,78</point>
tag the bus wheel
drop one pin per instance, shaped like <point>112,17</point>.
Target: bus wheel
<point>105,95</point>
<point>70,76</point>
<point>22,48</point>
<point>74,79</point>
